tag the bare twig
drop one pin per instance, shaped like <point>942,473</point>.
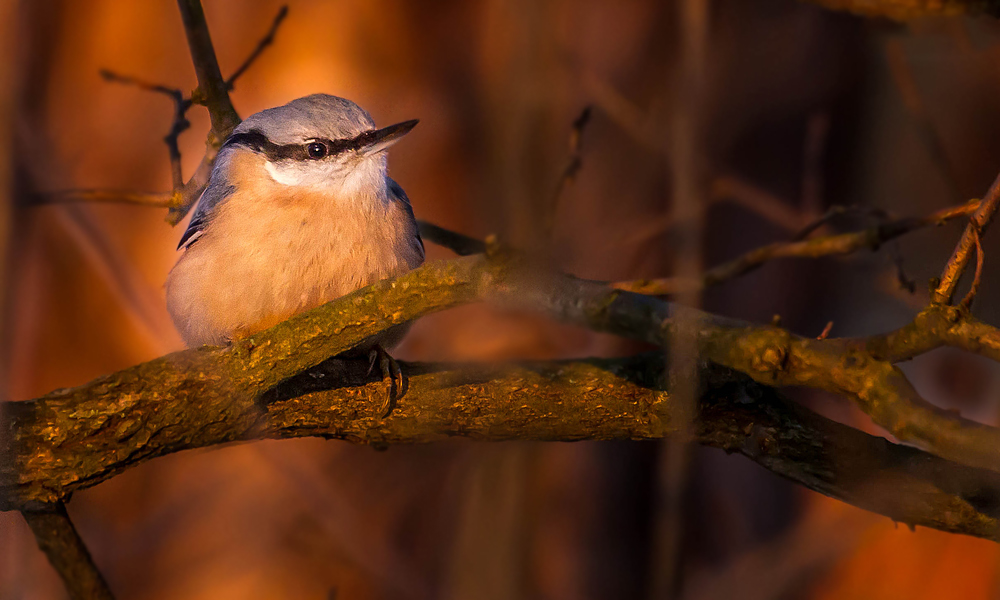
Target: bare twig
<point>966,302</point>
<point>832,245</point>
<point>837,211</point>
<point>262,45</point>
<point>757,200</point>
<point>905,283</point>
<point>223,116</point>
<point>573,164</point>
<point>58,538</point>
<point>945,290</point>
<point>153,199</point>
<point>622,111</point>
<point>179,125</point>
<point>213,91</point>
<point>458,243</point>
<point>729,188</point>
<point>142,84</point>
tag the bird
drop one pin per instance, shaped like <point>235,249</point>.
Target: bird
<point>299,210</point>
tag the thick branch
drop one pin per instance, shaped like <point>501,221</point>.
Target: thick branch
<point>593,399</point>
<point>58,538</point>
<point>937,325</point>
<point>224,385</point>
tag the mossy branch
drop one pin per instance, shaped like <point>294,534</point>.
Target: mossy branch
<point>553,401</point>
<point>72,439</point>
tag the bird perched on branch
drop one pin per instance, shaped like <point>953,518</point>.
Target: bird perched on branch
<point>298,211</point>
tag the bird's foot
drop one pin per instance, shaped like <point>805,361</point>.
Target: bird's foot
<point>390,369</point>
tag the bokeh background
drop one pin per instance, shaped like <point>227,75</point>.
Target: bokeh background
<point>717,126</point>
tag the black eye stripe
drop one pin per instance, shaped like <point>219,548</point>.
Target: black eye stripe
<point>258,142</point>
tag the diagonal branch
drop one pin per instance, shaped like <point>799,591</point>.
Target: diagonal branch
<point>213,91</point>
<point>980,220</point>
<point>58,538</point>
<point>831,245</point>
<point>262,45</point>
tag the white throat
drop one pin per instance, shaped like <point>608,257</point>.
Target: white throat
<point>352,176</point>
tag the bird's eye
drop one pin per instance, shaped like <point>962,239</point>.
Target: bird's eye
<point>316,150</point>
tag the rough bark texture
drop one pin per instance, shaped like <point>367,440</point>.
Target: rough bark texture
<point>563,401</point>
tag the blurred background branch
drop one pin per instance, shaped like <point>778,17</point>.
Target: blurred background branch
<point>912,9</point>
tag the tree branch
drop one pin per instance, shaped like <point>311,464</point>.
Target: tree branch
<point>935,326</point>
<point>213,91</point>
<point>565,401</point>
<point>262,45</point>
<point>59,540</point>
<point>830,245</point>
<point>154,199</point>
<point>213,386</point>
<point>980,220</point>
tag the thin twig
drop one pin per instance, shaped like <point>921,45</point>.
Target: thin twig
<point>59,540</point>
<point>837,211</point>
<point>573,164</point>
<point>153,199</point>
<point>945,290</point>
<point>266,41</point>
<point>179,125</point>
<point>142,84</point>
<point>757,200</point>
<point>974,288</point>
<point>458,243</point>
<point>832,245</point>
<point>904,282</point>
<point>727,188</point>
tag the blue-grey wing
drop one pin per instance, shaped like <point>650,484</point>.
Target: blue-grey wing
<point>215,193</point>
<point>398,195</point>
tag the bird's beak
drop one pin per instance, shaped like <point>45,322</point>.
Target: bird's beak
<point>380,139</point>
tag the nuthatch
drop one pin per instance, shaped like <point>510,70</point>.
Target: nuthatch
<point>298,211</point>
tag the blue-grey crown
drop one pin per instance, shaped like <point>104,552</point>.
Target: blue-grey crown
<point>315,116</point>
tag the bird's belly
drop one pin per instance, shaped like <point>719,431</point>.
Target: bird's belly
<point>230,286</point>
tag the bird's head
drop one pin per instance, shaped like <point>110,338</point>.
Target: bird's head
<point>321,142</point>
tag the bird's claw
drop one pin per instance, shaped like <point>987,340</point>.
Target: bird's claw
<point>390,368</point>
